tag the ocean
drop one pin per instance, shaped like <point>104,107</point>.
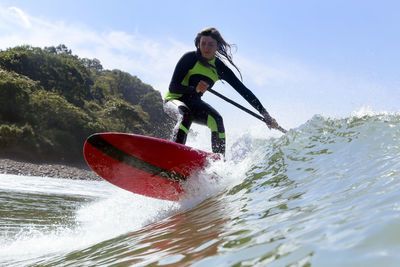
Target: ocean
<point>327,193</point>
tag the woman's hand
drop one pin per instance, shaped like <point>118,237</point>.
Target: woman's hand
<point>271,122</point>
<point>202,86</point>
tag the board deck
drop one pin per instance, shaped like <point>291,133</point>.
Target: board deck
<point>144,165</point>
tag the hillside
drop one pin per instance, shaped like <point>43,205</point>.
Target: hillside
<point>52,100</point>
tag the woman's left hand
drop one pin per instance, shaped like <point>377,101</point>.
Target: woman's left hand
<point>271,122</point>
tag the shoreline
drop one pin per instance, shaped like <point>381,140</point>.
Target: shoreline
<point>53,170</point>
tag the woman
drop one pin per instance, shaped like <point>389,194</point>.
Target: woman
<point>197,71</point>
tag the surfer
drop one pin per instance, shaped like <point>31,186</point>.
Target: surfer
<point>196,72</point>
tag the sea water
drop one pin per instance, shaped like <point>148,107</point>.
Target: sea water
<point>325,194</point>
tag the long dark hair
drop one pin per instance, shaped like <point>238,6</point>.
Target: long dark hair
<point>223,48</point>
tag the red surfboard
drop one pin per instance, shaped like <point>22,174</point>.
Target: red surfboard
<point>144,165</point>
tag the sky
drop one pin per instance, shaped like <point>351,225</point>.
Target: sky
<point>300,58</point>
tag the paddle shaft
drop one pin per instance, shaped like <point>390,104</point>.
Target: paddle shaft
<point>243,108</point>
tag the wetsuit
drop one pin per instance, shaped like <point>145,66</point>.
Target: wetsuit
<point>184,103</point>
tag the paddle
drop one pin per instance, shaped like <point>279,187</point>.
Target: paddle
<point>279,128</point>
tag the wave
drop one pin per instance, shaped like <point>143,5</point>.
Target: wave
<point>329,183</point>
<point>326,193</point>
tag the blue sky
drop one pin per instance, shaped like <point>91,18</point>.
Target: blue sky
<point>300,58</point>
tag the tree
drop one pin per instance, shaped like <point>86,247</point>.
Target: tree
<point>51,101</point>
<point>60,49</point>
<point>93,64</point>
<point>15,92</point>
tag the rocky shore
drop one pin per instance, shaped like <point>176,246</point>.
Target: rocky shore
<point>10,166</point>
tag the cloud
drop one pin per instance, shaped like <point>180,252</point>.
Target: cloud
<point>150,60</point>
<point>18,16</point>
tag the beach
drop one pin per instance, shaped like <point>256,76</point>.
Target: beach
<point>20,167</point>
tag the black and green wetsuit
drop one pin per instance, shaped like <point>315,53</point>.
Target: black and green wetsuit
<point>183,102</point>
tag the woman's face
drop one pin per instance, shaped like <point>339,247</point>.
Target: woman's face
<point>208,47</point>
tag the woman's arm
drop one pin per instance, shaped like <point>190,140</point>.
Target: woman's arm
<point>228,75</point>
<point>186,62</point>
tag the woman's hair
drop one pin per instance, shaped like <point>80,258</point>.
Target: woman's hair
<point>223,48</point>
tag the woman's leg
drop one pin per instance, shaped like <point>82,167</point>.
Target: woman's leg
<point>178,110</point>
<point>200,112</point>
<point>203,113</point>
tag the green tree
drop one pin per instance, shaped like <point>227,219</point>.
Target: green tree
<point>14,96</point>
<point>51,101</point>
<point>93,64</point>
<point>60,72</point>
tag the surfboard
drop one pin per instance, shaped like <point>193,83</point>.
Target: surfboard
<point>144,165</point>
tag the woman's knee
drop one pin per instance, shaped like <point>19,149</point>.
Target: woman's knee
<point>184,111</point>
<point>215,123</point>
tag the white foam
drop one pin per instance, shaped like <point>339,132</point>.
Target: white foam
<point>113,211</point>
<point>368,111</point>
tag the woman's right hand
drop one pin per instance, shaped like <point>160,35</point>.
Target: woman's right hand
<point>201,87</point>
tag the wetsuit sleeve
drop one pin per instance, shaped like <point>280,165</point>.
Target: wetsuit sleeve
<point>186,62</point>
<point>227,74</point>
